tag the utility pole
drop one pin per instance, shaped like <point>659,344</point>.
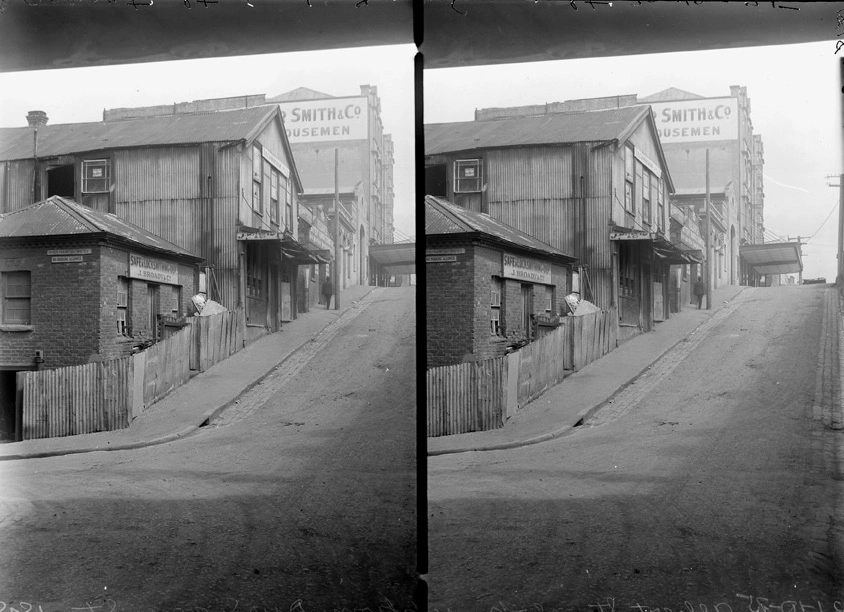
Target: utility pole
<point>336,229</point>
<point>839,277</point>
<point>708,241</point>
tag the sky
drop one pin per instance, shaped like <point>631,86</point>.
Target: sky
<point>795,105</point>
<point>80,94</point>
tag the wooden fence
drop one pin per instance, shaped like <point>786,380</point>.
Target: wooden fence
<point>107,395</point>
<point>481,395</point>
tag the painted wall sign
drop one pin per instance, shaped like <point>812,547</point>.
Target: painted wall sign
<point>523,268</point>
<point>647,162</point>
<point>440,258</point>
<point>634,235</point>
<point>259,235</point>
<point>67,259</point>
<point>150,269</point>
<point>459,251</point>
<point>275,162</point>
<point>69,252</point>
<point>697,120</point>
<point>322,120</point>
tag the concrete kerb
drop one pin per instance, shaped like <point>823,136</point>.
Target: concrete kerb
<point>581,416</point>
<point>204,420</point>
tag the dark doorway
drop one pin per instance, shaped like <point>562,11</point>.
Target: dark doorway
<point>60,182</point>
<point>8,390</point>
<point>436,181</point>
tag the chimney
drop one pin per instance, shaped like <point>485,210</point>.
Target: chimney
<point>36,118</point>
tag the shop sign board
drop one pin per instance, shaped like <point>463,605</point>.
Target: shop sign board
<point>440,258</point>
<point>325,120</point>
<point>523,268</point>
<point>151,269</point>
<point>280,165</point>
<point>705,119</point>
<point>456,251</point>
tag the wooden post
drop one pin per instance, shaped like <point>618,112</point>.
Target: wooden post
<point>708,240</point>
<point>336,231</point>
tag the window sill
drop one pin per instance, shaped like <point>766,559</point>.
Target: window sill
<point>16,328</point>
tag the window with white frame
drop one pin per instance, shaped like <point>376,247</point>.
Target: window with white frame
<point>257,175</point>
<point>95,176</point>
<point>176,300</point>
<point>549,299</point>
<point>495,305</point>
<point>274,196</point>
<point>660,205</point>
<point>629,176</point>
<point>467,176</point>
<point>122,306</point>
<point>288,206</point>
<point>646,196</point>
<point>17,297</point>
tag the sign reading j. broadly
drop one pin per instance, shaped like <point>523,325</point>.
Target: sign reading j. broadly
<point>324,120</point>
<point>696,120</point>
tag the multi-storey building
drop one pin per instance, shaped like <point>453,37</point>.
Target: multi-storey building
<point>319,124</point>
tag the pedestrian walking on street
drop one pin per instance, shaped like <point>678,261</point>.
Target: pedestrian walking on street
<point>699,291</point>
<point>327,291</point>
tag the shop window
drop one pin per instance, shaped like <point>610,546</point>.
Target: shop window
<point>257,203</point>
<point>122,306</point>
<point>495,305</point>
<point>467,176</point>
<point>17,297</point>
<point>254,274</point>
<point>95,176</point>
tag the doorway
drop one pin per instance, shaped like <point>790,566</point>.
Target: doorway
<point>60,181</point>
<point>527,309</point>
<point>8,413</point>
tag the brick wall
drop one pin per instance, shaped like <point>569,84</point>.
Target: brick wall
<point>64,307</point>
<point>487,264</point>
<point>449,298</point>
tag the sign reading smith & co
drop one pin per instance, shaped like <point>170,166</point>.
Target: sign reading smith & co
<point>522,268</point>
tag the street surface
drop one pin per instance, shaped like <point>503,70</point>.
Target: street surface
<point>301,497</point>
<point>714,482</point>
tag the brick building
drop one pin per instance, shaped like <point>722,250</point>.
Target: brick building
<point>488,285</point>
<point>78,285</point>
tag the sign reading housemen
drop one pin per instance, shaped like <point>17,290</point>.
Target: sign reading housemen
<point>525,269</point>
<point>696,120</point>
<point>324,120</point>
<point>153,270</point>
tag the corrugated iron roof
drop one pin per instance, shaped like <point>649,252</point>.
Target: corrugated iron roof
<point>443,217</point>
<point>58,216</point>
<point>558,128</point>
<point>191,128</point>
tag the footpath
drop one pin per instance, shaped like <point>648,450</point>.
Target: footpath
<point>204,397</point>
<point>578,396</point>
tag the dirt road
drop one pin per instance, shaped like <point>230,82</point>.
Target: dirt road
<point>714,482</point>
<point>302,497</point>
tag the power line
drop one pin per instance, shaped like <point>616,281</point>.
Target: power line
<point>825,220</point>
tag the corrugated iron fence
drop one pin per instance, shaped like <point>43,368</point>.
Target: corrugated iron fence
<point>481,395</point>
<point>106,396</point>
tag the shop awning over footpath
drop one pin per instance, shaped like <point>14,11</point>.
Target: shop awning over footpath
<point>292,249</point>
<point>772,257</point>
<point>665,250</point>
<point>397,258</point>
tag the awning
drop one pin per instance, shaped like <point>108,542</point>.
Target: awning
<point>298,253</point>
<point>666,251</point>
<point>773,257</point>
<point>398,258</point>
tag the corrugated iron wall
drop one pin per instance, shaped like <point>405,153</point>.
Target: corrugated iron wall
<point>17,185</point>
<point>598,255</point>
<point>77,399</point>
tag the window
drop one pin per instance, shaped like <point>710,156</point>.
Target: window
<point>646,196</point>
<point>660,205</point>
<point>495,306</point>
<point>175,300</point>
<point>627,273</point>
<point>17,298</point>
<point>254,274</point>
<point>257,174</point>
<point>95,176</point>
<point>122,305</point>
<point>274,196</point>
<point>467,176</point>
<point>629,164</point>
<point>637,191</point>
<point>288,206</point>
<point>549,299</point>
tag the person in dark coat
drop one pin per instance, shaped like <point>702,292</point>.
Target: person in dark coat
<point>327,291</point>
<point>699,291</point>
